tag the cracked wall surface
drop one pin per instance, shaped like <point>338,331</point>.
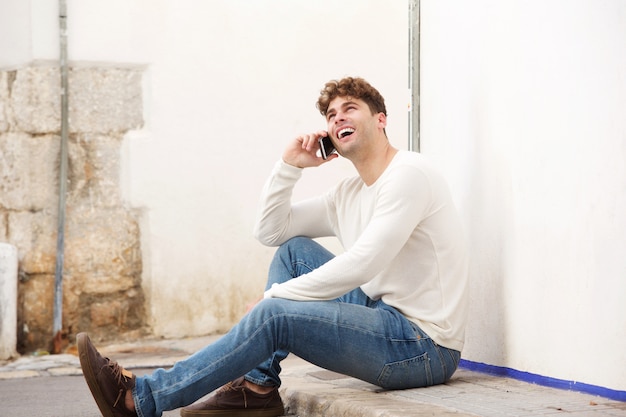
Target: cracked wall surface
<point>103,263</point>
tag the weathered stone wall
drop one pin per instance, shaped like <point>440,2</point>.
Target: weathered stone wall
<point>102,269</point>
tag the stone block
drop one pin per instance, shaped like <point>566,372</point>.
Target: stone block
<point>30,167</point>
<point>29,171</point>
<point>112,313</point>
<point>100,99</point>
<point>103,246</point>
<point>35,105</point>
<point>94,171</point>
<point>109,313</point>
<point>104,315</point>
<point>35,235</point>
<point>35,314</point>
<point>105,99</point>
<point>72,291</point>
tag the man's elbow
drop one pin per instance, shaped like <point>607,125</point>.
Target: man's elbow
<point>266,238</point>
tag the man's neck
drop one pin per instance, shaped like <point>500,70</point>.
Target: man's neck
<point>371,166</point>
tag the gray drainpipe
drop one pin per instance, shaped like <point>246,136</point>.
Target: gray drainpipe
<point>58,272</point>
<point>414,75</point>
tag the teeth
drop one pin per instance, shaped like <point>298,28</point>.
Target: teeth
<point>345,132</point>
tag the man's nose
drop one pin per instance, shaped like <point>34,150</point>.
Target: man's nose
<point>339,117</point>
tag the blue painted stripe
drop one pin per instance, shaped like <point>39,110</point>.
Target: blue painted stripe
<point>545,381</point>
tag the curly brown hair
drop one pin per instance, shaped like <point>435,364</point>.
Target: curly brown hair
<point>351,87</point>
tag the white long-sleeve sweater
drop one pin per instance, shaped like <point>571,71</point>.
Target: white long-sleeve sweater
<point>402,237</point>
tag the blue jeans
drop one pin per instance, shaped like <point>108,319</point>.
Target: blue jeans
<point>353,335</point>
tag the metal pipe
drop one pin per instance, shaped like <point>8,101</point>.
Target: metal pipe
<point>414,75</point>
<point>58,272</point>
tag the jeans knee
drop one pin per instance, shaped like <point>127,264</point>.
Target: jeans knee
<point>299,240</point>
<point>270,307</point>
<point>295,244</point>
<point>286,248</point>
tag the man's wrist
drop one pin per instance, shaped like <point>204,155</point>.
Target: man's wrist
<point>290,164</point>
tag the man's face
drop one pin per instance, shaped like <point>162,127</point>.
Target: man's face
<point>350,124</point>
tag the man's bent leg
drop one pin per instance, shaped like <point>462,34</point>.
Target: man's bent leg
<point>297,256</point>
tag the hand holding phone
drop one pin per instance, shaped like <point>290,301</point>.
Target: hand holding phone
<point>326,146</point>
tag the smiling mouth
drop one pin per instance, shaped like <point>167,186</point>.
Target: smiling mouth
<point>345,132</point>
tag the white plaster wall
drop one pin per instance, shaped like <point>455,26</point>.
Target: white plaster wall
<point>15,33</point>
<point>524,104</point>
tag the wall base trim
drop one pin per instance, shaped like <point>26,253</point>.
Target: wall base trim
<point>543,380</point>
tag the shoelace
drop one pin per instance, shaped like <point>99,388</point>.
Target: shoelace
<point>121,377</point>
<point>231,387</point>
<point>227,387</point>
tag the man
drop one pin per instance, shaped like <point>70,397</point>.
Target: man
<point>390,310</point>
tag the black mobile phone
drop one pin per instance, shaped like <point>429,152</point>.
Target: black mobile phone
<point>326,146</point>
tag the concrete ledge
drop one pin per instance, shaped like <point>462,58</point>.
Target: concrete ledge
<point>309,391</point>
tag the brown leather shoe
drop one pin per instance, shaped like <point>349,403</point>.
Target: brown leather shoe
<point>234,399</point>
<point>107,380</point>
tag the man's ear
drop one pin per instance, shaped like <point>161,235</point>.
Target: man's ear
<point>382,120</point>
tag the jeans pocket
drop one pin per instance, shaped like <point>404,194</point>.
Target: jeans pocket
<point>409,373</point>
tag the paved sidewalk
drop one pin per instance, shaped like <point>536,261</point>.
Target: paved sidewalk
<point>309,391</point>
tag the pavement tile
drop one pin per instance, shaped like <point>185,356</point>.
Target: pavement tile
<point>19,374</point>
<point>65,371</point>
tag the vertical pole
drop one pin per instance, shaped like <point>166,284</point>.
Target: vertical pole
<point>414,75</point>
<point>58,273</point>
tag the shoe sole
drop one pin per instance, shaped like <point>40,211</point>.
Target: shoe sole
<point>268,412</point>
<point>82,340</point>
